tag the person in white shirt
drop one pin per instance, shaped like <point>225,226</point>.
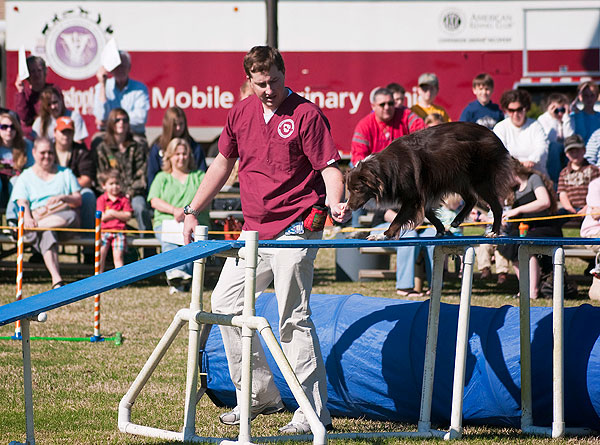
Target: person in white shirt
<point>557,126</point>
<point>523,137</point>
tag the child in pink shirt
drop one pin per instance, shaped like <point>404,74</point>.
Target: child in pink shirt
<point>116,211</point>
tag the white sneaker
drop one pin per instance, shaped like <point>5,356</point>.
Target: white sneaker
<point>300,428</point>
<point>233,417</point>
<point>173,290</point>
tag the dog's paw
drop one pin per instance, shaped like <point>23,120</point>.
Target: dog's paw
<point>377,237</point>
<point>491,235</point>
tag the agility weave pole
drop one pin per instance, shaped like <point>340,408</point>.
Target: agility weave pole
<point>25,309</point>
<point>97,244</point>
<point>20,249</point>
<point>96,337</point>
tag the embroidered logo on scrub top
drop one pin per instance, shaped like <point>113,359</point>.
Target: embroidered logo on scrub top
<point>285,128</point>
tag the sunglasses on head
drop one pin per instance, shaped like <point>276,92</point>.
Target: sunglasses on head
<point>122,119</point>
<point>515,110</point>
<point>560,110</point>
<point>383,104</point>
<point>7,127</point>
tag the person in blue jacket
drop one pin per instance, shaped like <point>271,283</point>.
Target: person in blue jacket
<point>482,110</point>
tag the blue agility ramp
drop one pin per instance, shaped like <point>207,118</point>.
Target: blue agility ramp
<point>374,354</point>
<point>52,299</point>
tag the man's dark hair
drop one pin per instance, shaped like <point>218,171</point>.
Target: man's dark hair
<point>396,88</point>
<point>260,59</point>
<point>483,79</point>
<point>35,59</point>
<point>520,96</point>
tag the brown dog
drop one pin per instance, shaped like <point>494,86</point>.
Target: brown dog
<point>415,171</point>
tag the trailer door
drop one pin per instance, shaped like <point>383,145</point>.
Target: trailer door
<point>561,42</point>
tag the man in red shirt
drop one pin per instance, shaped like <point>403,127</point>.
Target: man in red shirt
<point>375,131</point>
<point>288,166</point>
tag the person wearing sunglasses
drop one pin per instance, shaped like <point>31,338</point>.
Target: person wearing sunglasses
<point>557,126</point>
<point>523,137</point>
<point>376,130</point>
<point>15,155</point>
<point>119,150</point>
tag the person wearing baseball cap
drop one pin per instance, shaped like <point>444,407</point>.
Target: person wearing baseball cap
<point>575,178</point>
<point>65,123</point>
<point>81,161</point>
<point>428,89</point>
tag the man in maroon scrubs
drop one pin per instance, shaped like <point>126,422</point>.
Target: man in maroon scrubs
<point>288,168</point>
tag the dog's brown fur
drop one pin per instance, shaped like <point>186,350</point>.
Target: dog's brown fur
<point>415,171</point>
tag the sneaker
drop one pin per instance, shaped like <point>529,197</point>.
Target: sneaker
<point>295,428</point>
<point>233,417</point>
<point>300,428</point>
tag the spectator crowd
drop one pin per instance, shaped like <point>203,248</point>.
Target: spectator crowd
<point>556,159</point>
<point>46,167</point>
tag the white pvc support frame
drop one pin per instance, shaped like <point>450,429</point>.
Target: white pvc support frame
<point>249,323</point>
<point>558,428</point>
<point>424,425</point>
<point>27,379</point>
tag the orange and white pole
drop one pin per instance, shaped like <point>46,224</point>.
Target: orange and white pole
<point>97,245</point>
<point>19,266</point>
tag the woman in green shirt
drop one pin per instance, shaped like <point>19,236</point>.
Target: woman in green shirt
<point>172,189</point>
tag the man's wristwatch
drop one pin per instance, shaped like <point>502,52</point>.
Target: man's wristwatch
<point>187,210</point>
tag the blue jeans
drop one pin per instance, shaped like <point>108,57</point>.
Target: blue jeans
<point>406,257</point>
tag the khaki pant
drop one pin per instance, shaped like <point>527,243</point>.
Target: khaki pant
<point>291,271</point>
<point>484,258</point>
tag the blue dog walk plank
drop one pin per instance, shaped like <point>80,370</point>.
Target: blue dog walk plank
<point>443,241</point>
<point>130,273</point>
<point>52,299</point>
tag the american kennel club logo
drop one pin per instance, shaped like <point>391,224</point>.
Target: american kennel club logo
<point>74,40</point>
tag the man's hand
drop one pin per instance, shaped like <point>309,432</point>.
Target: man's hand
<point>340,212</point>
<point>102,75</point>
<point>19,85</point>
<point>189,224</point>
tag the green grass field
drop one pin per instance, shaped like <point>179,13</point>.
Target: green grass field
<point>78,386</point>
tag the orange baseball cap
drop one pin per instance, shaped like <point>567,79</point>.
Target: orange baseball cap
<point>65,123</point>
